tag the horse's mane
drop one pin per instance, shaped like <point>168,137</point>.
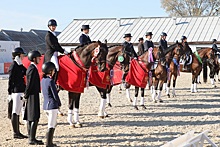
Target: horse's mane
<point>85,45</point>
<point>112,49</point>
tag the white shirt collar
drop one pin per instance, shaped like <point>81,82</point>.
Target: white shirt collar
<point>53,33</point>
<point>85,34</point>
<point>34,64</point>
<point>127,41</point>
<point>148,39</point>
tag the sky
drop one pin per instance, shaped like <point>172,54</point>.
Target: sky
<point>29,14</point>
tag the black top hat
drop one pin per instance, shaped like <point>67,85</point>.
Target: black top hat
<point>84,27</point>
<point>140,39</point>
<point>127,35</point>
<point>148,34</point>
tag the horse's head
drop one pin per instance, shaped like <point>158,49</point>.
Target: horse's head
<point>210,54</point>
<point>158,54</point>
<point>116,53</point>
<point>99,54</point>
<point>178,49</point>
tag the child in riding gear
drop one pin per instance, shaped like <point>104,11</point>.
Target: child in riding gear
<point>51,100</point>
<point>163,42</point>
<point>214,46</point>
<point>84,37</point>
<point>140,46</point>
<point>187,50</point>
<point>148,43</point>
<point>53,46</point>
<point>16,88</point>
<point>32,110</point>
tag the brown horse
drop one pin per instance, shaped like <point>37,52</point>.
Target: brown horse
<point>173,59</point>
<point>86,54</point>
<point>196,66</point>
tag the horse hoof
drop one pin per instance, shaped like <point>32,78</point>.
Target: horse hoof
<point>168,95</point>
<point>109,105</point>
<point>155,101</point>
<point>130,100</point>
<point>60,114</point>
<point>135,107</point>
<point>102,117</point>
<point>78,125</point>
<point>161,101</point>
<point>219,80</point>
<point>174,95</point>
<point>143,107</point>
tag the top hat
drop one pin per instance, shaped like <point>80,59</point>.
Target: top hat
<point>85,27</point>
<point>148,34</point>
<point>140,39</point>
<point>127,35</point>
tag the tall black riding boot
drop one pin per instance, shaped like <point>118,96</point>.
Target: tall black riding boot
<point>49,137</point>
<point>32,138</point>
<point>15,125</point>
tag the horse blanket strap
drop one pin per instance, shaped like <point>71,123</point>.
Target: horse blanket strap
<point>198,57</point>
<point>87,79</point>
<point>111,76</point>
<point>150,55</point>
<point>175,62</point>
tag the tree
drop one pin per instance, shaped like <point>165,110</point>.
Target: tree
<point>191,7</point>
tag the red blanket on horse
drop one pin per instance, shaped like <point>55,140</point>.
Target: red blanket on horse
<point>117,74</point>
<point>97,78</point>
<point>71,77</point>
<point>137,75</point>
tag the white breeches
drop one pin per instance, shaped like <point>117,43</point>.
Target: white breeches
<point>17,103</point>
<point>52,117</point>
<point>54,59</point>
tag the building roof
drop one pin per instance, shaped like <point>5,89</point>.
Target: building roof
<point>4,37</point>
<point>28,40</point>
<point>197,29</point>
<point>41,33</point>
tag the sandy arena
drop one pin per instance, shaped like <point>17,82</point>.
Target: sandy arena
<point>158,124</point>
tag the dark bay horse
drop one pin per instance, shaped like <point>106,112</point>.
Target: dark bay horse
<point>196,65</point>
<point>85,54</point>
<point>174,52</point>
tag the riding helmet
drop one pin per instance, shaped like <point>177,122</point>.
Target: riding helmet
<point>48,67</point>
<point>33,54</point>
<point>214,40</point>
<point>163,34</point>
<point>183,38</point>
<point>18,51</point>
<point>52,22</point>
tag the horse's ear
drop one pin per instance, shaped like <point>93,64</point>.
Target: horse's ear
<point>99,42</point>
<point>177,42</point>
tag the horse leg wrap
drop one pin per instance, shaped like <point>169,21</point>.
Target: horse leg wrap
<point>173,92</point>
<point>135,101</point>
<point>70,116</point>
<point>192,88</point>
<point>168,90</point>
<point>108,98</point>
<point>165,86</point>
<point>76,115</point>
<point>158,94</point>
<point>212,82</point>
<point>142,101</point>
<point>128,94</point>
<point>195,87</point>
<point>153,94</point>
<point>102,108</point>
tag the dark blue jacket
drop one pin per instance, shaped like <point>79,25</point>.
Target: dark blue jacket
<point>215,48</point>
<point>129,49</point>
<point>163,44</point>
<point>148,44</point>
<point>83,39</point>
<point>50,94</point>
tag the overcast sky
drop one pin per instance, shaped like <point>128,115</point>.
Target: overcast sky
<point>28,14</point>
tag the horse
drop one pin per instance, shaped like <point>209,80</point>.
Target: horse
<point>173,54</point>
<point>145,62</point>
<point>196,65</point>
<point>82,57</point>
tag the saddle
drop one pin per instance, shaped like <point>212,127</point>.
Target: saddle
<point>188,60</point>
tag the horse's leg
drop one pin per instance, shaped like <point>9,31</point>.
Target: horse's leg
<point>76,110</point>
<point>153,90</point>
<point>142,99</point>
<point>102,113</point>
<point>127,86</point>
<point>135,97</point>
<point>174,85</point>
<point>108,95</point>
<point>70,111</point>
<point>168,85</point>
<point>160,88</point>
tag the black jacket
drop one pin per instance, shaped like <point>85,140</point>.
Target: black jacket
<point>163,44</point>
<point>129,49</point>
<point>140,49</point>
<point>52,45</point>
<point>51,98</point>
<point>16,82</point>
<point>215,48</point>
<point>32,110</point>
<point>187,49</point>
<point>148,44</point>
<point>83,39</point>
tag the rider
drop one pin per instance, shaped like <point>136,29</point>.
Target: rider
<point>53,47</point>
<point>148,43</point>
<point>140,46</point>
<point>214,46</point>
<point>187,50</point>
<point>84,37</point>
<point>163,42</point>
<point>16,88</point>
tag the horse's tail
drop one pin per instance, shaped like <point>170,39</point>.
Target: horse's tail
<point>205,73</point>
